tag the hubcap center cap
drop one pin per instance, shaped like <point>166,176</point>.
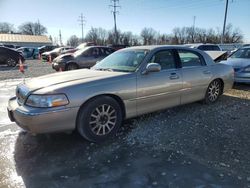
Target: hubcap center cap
<point>103,119</point>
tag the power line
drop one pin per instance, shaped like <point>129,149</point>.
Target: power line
<point>82,21</point>
<point>114,12</point>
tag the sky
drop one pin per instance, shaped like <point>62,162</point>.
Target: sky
<point>134,15</point>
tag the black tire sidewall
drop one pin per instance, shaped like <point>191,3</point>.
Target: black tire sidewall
<point>84,115</point>
<point>71,64</point>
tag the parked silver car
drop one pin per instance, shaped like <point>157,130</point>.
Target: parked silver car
<point>128,83</point>
<point>240,60</point>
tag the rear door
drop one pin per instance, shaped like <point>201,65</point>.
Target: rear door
<point>196,76</point>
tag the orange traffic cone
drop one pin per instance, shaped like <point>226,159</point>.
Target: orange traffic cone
<point>50,61</point>
<point>21,67</point>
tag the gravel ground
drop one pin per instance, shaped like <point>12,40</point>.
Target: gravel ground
<point>33,68</point>
<point>216,136</point>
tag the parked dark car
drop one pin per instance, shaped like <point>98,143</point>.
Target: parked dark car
<point>85,58</point>
<point>29,53</point>
<point>118,46</point>
<point>43,49</point>
<point>54,53</point>
<point>10,57</point>
<point>205,47</point>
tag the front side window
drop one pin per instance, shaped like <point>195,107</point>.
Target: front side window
<point>165,58</point>
<point>189,59</point>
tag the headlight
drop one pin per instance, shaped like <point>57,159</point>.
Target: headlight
<point>247,69</point>
<point>45,101</point>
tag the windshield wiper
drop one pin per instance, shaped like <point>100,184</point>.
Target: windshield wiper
<point>105,69</point>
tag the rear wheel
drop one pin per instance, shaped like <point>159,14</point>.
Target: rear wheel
<point>11,62</point>
<point>214,90</point>
<point>99,119</point>
<point>71,66</point>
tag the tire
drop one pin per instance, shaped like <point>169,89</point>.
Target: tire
<point>71,66</point>
<point>99,119</point>
<point>11,62</point>
<point>213,92</point>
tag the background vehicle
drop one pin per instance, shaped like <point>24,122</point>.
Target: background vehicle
<point>79,47</point>
<point>85,58</point>
<point>205,47</point>
<point>29,53</point>
<point>212,50</point>
<point>10,57</point>
<point>54,53</point>
<point>240,61</point>
<point>128,83</point>
<point>43,49</point>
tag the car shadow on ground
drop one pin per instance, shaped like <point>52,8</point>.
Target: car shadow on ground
<point>245,87</point>
<point>173,148</point>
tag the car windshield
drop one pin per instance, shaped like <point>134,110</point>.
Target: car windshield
<point>241,53</point>
<point>124,61</point>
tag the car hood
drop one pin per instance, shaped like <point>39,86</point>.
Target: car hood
<point>82,75</point>
<point>237,62</point>
<point>64,56</point>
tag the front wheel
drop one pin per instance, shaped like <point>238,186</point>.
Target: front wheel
<point>213,92</point>
<point>11,62</point>
<point>71,66</point>
<point>99,119</point>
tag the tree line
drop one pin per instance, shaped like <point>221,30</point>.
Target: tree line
<point>27,28</point>
<point>149,36</point>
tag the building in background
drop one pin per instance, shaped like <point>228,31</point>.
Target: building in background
<point>25,40</point>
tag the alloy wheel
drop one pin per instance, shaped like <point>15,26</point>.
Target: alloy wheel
<point>103,120</point>
<point>214,91</point>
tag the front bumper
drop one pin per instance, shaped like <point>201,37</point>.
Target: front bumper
<point>42,120</point>
<point>58,66</point>
<point>241,77</point>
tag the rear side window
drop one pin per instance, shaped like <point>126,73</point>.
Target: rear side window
<point>165,58</point>
<point>190,59</point>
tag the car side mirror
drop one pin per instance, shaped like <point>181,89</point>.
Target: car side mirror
<point>152,67</point>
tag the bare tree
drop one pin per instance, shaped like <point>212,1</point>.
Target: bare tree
<point>97,35</point>
<point>6,27</point>
<point>73,41</point>
<point>30,28</point>
<point>148,36</point>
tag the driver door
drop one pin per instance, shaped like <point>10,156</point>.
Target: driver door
<point>159,90</point>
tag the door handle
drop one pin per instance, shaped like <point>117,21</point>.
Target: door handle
<point>207,72</point>
<point>173,76</point>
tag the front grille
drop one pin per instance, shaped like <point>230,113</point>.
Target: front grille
<point>21,94</point>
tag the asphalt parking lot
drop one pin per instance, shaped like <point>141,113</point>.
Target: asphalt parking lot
<point>194,145</point>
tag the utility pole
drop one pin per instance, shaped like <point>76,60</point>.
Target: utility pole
<point>225,21</point>
<point>82,21</point>
<point>194,18</point>
<point>114,12</point>
<point>39,27</point>
<point>60,37</point>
